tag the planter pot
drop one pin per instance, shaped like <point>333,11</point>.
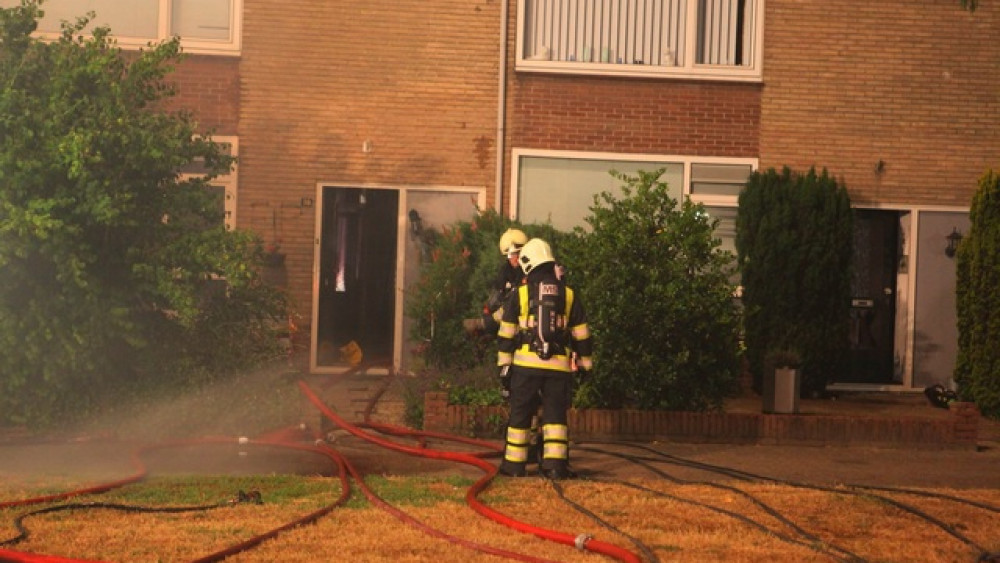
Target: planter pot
<point>781,391</point>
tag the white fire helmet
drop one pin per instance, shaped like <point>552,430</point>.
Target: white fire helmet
<point>534,253</point>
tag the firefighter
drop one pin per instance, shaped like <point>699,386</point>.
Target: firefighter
<point>543,326</point>
<point>509,277</point>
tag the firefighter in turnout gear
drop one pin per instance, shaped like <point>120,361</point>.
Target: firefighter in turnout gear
<point>543,328</point>
<point>509,277</point>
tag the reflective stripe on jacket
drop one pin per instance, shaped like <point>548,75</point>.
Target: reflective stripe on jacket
<point>518,320</point>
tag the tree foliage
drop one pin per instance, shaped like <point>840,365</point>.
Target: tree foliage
<point>108,257</point>
<point>659,295</point>
<point>794,240</point>
<point>977,370</point>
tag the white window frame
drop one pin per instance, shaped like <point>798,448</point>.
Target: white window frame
<point>232,46</point>
<point>685,160</point>
<point>591,63</point>
<point>229,182</point>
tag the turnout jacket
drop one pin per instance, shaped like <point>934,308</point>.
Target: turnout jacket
<point>518,324</point>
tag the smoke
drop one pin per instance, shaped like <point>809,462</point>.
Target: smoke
<point>247,404</point>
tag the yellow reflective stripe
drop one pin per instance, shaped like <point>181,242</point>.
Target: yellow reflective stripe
<point>580,332</point>
<point>557,450</point>
<point>517,436</point>
<point>585,362</point>
<point>522,299</point>
<point>504,358</point>
<point>555,432</point>
<point>529,359</point>
<point>516,454</point>
<point>507,330</point>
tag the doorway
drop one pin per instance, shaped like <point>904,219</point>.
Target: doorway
<point>357,276</point>
<point>878,252</point>
<point>370,244</point>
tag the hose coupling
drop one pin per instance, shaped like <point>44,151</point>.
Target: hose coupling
<point>581,541</point>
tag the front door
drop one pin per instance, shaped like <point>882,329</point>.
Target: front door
<point>357,262</point>
<point>873,297</point>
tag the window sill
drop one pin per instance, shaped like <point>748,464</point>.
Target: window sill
<point>727,74</point>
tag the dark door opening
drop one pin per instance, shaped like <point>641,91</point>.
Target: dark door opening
<point>357,275</point>
<point>873,296</point>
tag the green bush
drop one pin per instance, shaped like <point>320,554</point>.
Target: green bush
<point>109,258</point>
<point>657,289</point>
<point>977,370</point>
<point>794,239</point>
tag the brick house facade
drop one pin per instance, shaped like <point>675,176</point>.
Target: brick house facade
<point>897,98</point>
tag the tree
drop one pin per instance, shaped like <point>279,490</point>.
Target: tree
<point>659,295</point>
<point>794,239</point>
<point>108,256</point>
<point>977,370</point>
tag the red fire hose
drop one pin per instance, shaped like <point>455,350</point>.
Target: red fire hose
<point>580,542</point>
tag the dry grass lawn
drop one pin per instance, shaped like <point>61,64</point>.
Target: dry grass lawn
<point>674,523</point>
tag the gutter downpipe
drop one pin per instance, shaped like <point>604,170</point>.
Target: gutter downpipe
<point>501,107</point>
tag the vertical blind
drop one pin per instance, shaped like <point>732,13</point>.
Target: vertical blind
<point>651,32</point>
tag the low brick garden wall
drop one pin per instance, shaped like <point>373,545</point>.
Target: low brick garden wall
<point>960,430</point>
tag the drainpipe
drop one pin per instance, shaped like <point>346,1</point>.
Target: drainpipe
<point>501,106</point>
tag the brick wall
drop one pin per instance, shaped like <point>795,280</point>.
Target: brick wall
<point>957,432</point>
<point>210,88</point>
<point>318,78</point>
<point>911,83</point>
<point>634,115</point>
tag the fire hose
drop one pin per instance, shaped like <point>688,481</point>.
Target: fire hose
<point>581,541</point>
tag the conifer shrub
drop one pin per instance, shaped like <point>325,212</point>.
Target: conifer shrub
<point>794,242</point>
<point>977,370</point>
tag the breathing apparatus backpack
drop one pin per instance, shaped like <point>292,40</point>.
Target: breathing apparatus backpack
<point>549,336</point>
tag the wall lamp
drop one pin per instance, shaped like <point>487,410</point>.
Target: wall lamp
<point>416,223</point>
<point>953,239</point>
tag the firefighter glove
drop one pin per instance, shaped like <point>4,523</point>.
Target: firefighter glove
<point>505,381</point>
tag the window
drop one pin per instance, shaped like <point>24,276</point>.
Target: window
<point>205,26</point>
<point>223,186</point>
<point>709,39</point>
<point>711,182</point>
<point>559,186</point>
<point>562,190</point>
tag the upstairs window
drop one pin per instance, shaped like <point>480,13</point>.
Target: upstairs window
<point>708,39</point>
<point>204,26</point>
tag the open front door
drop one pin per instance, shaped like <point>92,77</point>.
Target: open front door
<point>371,243</point>
<point>357,276</point>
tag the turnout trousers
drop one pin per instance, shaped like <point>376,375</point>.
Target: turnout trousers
<point>529,388</point>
